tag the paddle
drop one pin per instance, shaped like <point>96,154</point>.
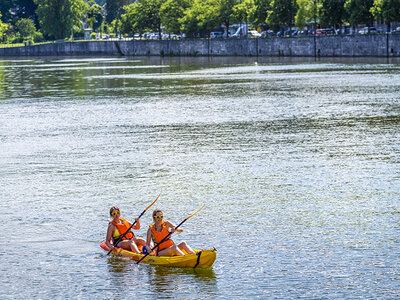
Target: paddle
<point>122,236</point>
<point>169,234</point>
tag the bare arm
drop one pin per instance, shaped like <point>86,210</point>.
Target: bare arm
<point>172,227</point>
<point>137,225</point>
<point>149,239</point>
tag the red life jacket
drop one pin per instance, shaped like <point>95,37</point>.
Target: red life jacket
<point>160,235</point>
<point>121,229</point>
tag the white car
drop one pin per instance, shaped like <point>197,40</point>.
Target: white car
<point>254,33</point>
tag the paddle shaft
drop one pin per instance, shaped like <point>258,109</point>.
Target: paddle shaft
<point>169,234</point>
<point>130,227</point>
<point>163,240</point>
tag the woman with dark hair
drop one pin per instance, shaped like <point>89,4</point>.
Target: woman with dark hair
<point>117,227</point>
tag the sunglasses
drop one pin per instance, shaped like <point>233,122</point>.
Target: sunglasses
<point>158,217</point>
<point>115,213</point>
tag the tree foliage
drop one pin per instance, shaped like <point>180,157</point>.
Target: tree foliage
<point>171,14</point>
<point>5,10</point>
<point>3,29</point>
<point>226,12</point>
<point>25,9</point>
<point>114,9</point>
<point>332,12</point>
<point>57,17</point>
<point>141,16</point>
<point>282,13</point>
<point>95,16</point>
<point>26,28</point>
<point>243,10</point>
<point>201,18</point>
<point>359,11</point>
<point>305,13</point>
<point>259,15</point>
<point>388,10</point>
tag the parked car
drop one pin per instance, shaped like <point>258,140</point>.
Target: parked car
<point>216,35</point>
<point>397,30</point>
<point>253,34</point>
<point>329,31</point>
<point>303,32</point>
<point>290,32</point>
<point>343,31</point>
<point>368,30</point>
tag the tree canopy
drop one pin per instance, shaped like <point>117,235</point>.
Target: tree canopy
<point>58,19</point>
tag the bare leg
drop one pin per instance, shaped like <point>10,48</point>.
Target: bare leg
<point>186,247</point>
<point>171,251</point>
<point>139,241</point>
<point>129,245</point>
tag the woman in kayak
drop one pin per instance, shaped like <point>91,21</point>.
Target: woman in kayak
<point>117,227</point>
<point>158,231</point>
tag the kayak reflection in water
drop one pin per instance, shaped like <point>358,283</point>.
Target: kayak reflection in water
<point>119,226</point>
<point>158,231</point>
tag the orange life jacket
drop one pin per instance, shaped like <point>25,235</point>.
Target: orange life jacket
<point>121,229</point>
<point>160,235</point>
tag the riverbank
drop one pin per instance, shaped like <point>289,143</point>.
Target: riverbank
<point>313,46</point>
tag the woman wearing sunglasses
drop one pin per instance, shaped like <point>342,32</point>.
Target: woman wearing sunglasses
<point>117,227</point>
<point>158,231</point>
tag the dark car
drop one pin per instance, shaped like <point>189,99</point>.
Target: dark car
<point>216,35</point>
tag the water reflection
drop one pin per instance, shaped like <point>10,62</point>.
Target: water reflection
<point>126,274</point>
<point>162,279</point>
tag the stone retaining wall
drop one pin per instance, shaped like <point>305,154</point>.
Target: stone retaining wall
<point>323,46</point>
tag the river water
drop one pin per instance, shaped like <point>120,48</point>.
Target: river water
<point>298,161</point>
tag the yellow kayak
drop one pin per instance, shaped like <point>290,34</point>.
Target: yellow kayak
<point>202,258</point>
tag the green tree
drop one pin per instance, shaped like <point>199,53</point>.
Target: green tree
<point>114,9</point>
<point>129,19</point>
<point>25,9</point>
<point>57,17</point>
<point>3,30</point>
<point>142,16</point>
<point>388,10</point>
<point>226,12</point>
<point>26,29</point>
<point>260,12</point>
<point>95,16</point>
<point>5,10</point>
<point>171,14</point>
<point>282,13</point>
<point>332,12</point>
<point>305,13</point>
<point>201,18</point>
<point>359,11</point>
<point>243,10</point>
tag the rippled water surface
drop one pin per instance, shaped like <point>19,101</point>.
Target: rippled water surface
<point>297,160</point>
